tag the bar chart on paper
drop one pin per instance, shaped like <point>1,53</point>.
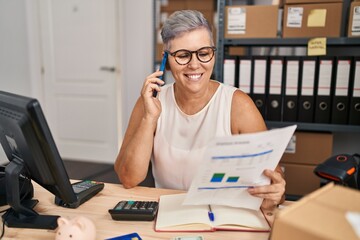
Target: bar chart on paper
<point>232,164</point>
<point>218,177</point>
<point>240,174</point>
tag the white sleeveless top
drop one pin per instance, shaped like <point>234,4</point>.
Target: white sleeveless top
<point>180,139</point>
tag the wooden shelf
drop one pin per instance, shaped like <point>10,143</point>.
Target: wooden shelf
<point>316,127</point>
<point>294,42</point>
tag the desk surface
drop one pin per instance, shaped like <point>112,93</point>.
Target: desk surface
<point>96,209</point>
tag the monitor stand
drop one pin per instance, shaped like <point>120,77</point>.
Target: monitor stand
<point>14,219</point>
<point>21,213</point>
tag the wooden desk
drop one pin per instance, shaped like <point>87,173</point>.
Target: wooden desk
<point>96,209</point>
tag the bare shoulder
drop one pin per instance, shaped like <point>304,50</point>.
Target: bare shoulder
<point>242,103</point>
<point>245,116</point>
<point>240,97</point>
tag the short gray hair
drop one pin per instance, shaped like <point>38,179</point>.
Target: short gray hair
<point>181,22</point>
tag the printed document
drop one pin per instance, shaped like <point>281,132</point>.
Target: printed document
<point>234,163</point>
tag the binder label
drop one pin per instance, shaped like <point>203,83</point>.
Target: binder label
<point>229,72</point>
<point>356,90</point>
<point>325,78</point>
<point>292,78</point>
<point>342,78</point>
<point>260,76</point>
<point>275,77</point>
<point>308,78</point>
<point>245,75</point>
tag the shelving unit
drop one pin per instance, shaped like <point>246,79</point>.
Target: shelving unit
<point>336,46</point>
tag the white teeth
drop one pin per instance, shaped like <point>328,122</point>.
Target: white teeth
<point>196,76</point>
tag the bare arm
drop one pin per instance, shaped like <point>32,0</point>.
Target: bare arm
<point>133,160</point>
<point>245,118</point>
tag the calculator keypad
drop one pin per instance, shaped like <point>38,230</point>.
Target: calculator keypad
<point>134,210</point>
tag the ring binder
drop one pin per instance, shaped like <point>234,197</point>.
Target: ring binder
<point>291,82</point>
<point>354,108</point>
<point>259,84</point>
<point>323,90</point>
<point>306,98</point>
<point>245,66</point>
<point>229,72</point>
<point>275,90</point>
<point>341,91</point>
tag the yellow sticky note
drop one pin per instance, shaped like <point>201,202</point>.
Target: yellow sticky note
<point>317,18</point>
<point>317,47</point>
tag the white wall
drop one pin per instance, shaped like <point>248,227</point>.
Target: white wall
<point>14,58</point>
<point>136,57</point>
<point>137,48</point>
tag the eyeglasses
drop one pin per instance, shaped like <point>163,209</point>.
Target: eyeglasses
<point>183,56</point>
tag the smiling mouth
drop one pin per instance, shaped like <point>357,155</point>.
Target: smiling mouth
<point>194,76</point>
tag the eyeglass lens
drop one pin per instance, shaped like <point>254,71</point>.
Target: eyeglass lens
<point>204,55</point>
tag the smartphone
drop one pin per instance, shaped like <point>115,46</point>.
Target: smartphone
<point>162,68</point>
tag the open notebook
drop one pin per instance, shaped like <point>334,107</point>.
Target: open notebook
<point>174,217</point>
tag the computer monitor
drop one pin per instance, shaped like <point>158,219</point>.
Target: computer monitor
<point>33,155</point>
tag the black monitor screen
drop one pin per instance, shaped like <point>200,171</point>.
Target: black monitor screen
<point>32,154</point>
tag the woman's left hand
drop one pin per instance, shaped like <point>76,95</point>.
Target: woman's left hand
<point>272,194</point>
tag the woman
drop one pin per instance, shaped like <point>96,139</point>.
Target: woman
<point>173,129</point>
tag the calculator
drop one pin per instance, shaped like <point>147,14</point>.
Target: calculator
<point>134,210</point>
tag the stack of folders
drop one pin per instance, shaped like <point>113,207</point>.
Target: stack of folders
<point>300,89</point>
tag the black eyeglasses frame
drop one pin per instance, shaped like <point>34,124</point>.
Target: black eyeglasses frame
<point>173,54</point>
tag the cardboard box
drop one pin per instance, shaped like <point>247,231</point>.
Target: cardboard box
<point>354,20</point>
<point>300,179</point>
<point>172,5</point>
<point>209,15</point>
<point>310,1</point>
<point>319,215</point>
<point>309,148</point>
<point>312,20</point>
<point>158,52</point>
<point>246,21</point>
<point>237,51</point>
<point>201,5</point>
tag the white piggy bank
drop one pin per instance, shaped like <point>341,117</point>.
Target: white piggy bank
<point>79,228</point>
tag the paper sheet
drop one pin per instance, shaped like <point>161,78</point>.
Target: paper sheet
<point>234,163</point>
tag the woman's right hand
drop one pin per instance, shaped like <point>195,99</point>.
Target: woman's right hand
<point>152,106</point>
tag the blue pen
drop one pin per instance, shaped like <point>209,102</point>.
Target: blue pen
<point>211,214</point>
<point>162,68</point>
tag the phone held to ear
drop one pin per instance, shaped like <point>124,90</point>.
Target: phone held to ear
<point>162,68</point>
